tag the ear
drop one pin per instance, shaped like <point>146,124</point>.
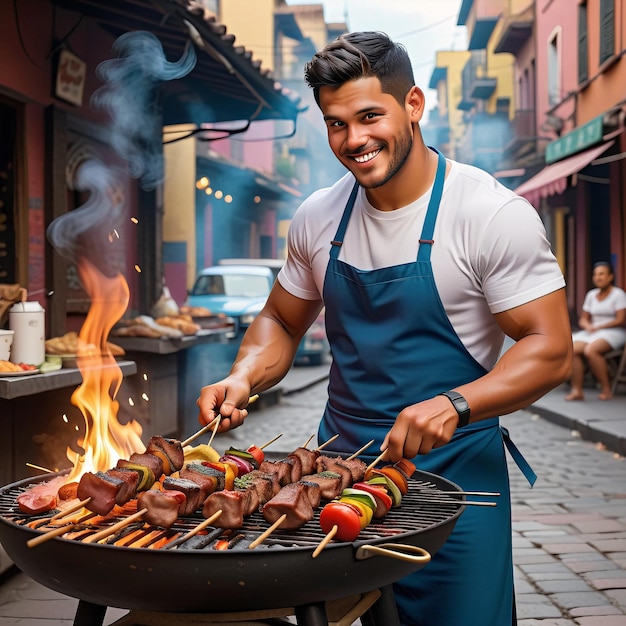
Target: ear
<point>415,103</point>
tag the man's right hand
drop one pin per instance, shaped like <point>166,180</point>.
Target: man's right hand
<point>228,398</point>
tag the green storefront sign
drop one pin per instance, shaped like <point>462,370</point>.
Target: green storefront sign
<point>580,138</point>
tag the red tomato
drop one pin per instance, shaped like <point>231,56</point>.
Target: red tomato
<point>383,499</point>
<point>26,367</point>
<point>257,453</point>
<point>346,517</point>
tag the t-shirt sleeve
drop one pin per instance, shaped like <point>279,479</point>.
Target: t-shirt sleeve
<point>296,275</point>
<point>515,261</point>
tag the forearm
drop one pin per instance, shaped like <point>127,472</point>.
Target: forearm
<point>265,354</point>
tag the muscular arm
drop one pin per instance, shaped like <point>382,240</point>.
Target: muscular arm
<point>538,361</point>
<point>264,357</point>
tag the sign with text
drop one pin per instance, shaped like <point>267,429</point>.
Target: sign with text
<point>580,138</point>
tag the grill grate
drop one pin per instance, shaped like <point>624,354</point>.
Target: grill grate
<point>424,507</point>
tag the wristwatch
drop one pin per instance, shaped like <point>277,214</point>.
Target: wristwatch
<point>461,406</point>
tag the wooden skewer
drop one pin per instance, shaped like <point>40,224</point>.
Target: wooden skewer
<point>308,441</point>
<point>112,529</point>
<point>208,427</point>
<point>270,441</point>
<point>38,467</point>
<point>57,532</point>
<point>365,447</point>
<point>263,536</point>
<point>195,530</point>
<point>324,542</point>
<point>217,425</point>
<point>72,509</point>
<point>327,442</point>
<point>201,432</point>
<point>376,461</point>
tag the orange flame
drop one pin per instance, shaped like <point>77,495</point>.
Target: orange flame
<point>105,440</point>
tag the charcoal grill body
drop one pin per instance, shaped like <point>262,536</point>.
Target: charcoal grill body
<point>274,575</point>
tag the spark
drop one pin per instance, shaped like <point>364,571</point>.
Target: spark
<point>137,269</point>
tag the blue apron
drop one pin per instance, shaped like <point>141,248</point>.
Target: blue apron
<point>393,346</point>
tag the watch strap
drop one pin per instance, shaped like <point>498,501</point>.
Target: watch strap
<point>461,406</point>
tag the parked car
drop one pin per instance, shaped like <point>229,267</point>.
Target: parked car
<point>239,291</point>
<point>239,288</point>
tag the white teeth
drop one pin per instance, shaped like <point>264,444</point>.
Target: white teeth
<point>366,157</point>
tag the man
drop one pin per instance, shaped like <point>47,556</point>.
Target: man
<point>423,266</point>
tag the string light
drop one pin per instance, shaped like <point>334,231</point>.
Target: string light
<point>219,194</point>
<point>228,198</point>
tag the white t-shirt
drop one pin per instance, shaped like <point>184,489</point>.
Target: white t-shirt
<point>490,252</point>
<point>603,311</point>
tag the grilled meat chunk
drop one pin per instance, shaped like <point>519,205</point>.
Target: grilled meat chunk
<point>208,482</point>
<point>336,465</point>
<point>130,480</point>
<point>162,506</point>
<point>191,490</point>
<point>307,459</point>
<point>101,489</point>
<point>329,482</point>
<point>232,503</point>
<point>278,468</point>
<point>292,500</point>
<point>149,460</point>
<point>170,451</point>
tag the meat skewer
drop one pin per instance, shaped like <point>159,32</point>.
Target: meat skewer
<point>349,514</point>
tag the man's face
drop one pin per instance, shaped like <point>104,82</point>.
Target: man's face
<point>369,131</point>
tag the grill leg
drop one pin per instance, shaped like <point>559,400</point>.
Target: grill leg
<point>89,614</point>
<point>312,615</point>
<point>384,612</point>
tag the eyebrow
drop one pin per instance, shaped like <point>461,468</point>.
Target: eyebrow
<point>359,112</point>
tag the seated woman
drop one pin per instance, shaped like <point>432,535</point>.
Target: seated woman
<point>602,330</point>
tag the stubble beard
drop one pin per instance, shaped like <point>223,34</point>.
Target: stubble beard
<point>403,148</point>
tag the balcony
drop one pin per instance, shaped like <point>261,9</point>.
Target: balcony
<point>517,30</point>
<point>483,88</point>
<point>480,17</point>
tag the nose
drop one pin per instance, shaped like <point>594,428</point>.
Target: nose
<point>356,137</point>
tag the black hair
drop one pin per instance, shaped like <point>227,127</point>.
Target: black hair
<point>362,55</point>
<point>604,264</point>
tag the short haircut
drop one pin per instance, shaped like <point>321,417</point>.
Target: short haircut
<point>362,55</point>
<point>606,264</point>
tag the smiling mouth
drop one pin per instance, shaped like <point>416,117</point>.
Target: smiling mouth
<point>364,158</point>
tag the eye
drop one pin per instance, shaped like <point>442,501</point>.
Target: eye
<point>335,124</point>
<point>370,116</point>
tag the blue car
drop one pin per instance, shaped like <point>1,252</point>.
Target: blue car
<point>239,290</point>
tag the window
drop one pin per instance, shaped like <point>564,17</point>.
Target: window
<point>554,71</point>
<point>607,30</point>
<point>583,70</point>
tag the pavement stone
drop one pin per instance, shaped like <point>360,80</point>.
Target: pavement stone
<point>569,530</point>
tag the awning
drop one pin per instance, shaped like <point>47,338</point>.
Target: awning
<point>226,84</point>
<point>552,179</point>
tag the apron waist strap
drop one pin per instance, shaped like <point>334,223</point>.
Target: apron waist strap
<point>519,459</point>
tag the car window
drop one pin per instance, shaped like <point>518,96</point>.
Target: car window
<point>209,285</point>
<point>234,285</point>
<point>246,285</point>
